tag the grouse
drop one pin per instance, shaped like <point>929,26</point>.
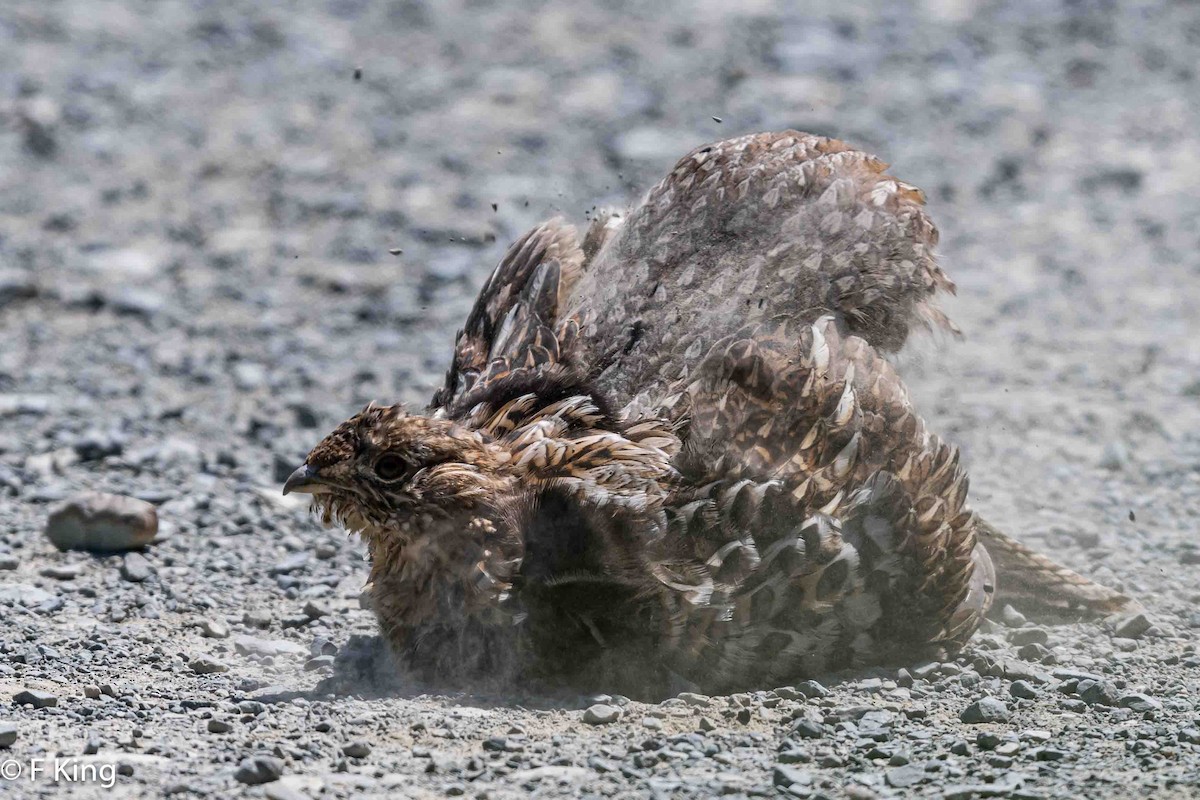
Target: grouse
<point>672,452</point>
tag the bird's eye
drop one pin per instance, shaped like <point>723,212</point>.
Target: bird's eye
<point>390,467</point>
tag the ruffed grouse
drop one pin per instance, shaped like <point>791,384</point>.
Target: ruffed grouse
<point>673,450</point>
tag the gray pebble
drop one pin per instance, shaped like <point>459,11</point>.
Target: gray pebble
<point>135,568</point>
<point>903,777</point>
<point>258,769</point>
<point>1024,636</point>
<point>214,630</point>
<point>315,610</point>
<point>811,689</point>
<point>204,665</point>
<point>250,645</point>
<point>100,522</point>
<point>785,775</point>
<point>63,572</point>
<point>1099,693</point>
<point>318,662</point>
<point>1132,626</point>
<point>1023,690</point>
<point>808,729</point>
<point>356,749</point>
<point>1139,702</point>
<point>1011,617</point>
<point>985,709</point>
<point>601,714</point>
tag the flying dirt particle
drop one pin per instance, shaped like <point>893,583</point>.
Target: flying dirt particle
<point>358,73</point>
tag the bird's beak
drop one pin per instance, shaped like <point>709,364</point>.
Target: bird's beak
<point>305,480</point>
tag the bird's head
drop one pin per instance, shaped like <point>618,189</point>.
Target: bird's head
<point>386,469</point>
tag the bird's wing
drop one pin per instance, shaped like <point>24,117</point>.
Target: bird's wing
<point>516,322</point>
<point>818,507</point>
<point>750,229</point>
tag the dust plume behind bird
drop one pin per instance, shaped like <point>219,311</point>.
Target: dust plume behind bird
<point>672,452</point>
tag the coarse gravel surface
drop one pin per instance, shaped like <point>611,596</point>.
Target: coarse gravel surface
<point>197,203</point>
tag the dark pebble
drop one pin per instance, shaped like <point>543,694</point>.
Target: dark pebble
<point>35,698</point>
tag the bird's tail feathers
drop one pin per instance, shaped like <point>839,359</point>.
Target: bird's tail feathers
<point>1031,582</point>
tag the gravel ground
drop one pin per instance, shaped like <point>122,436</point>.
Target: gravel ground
<point>197,202</point>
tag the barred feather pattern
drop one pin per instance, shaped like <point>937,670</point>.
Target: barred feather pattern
<point>822,526</point>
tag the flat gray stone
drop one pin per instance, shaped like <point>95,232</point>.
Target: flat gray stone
<point>985,709</point>
<point>253,646</point>
<point>601,714</point>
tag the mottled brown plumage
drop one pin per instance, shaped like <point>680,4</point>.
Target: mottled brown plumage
<point>673,449</point>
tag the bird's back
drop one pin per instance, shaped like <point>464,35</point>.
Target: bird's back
<point>772,226</point>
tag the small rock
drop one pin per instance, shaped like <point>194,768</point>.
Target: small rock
<point>8,562</point>
<point>1132,626</point>
<point>808,729</point>
<point>135,568</point>
<point>785,775</point>
<point>1011,617</point>
<point>1023,690</point>
<point>258,770</point>
<point>811,689</point>
<point>203,665</point>
<point>696,700</point>
<point>652,723</point>
<point>214,630</point>
<point>315,610</point>
<point>250,645</point>
<point>985,709</point>
<point>1036,652</point>
<point>1099,693</point>
<point>290,564</point>
<point>8,734</point>
<point>902,777</point>
<point>601,714</point>
<point>356,749</point>
<point>219,726</point>
<point>1048,754</point>
<point>99,522</point>
<point>1024,636</point>
<point>63,572</point>
<point>35,698</point>
<point>319,662</point>
<point>1139,702</point>
<point>1189,735</point>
